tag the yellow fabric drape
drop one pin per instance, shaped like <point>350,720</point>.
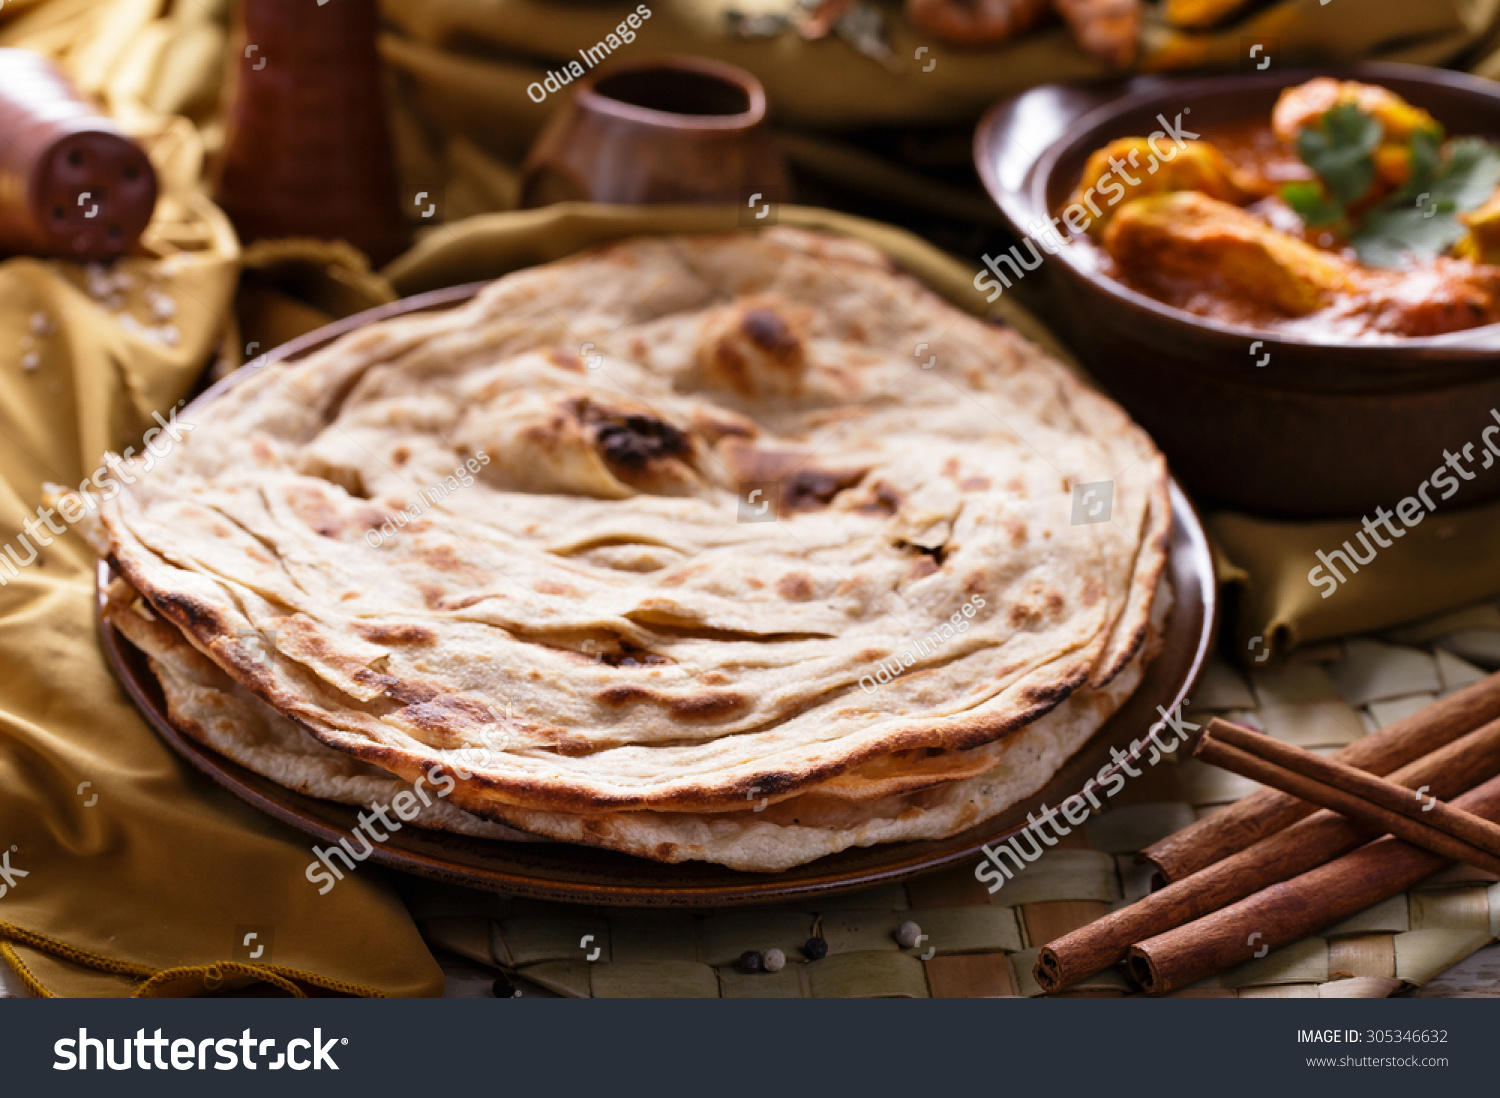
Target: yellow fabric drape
<point>140,876</point>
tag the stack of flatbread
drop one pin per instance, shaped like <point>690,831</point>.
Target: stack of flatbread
<point>745,549</point>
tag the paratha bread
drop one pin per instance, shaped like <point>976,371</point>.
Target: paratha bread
<point>209,705</point>
<point>811,825</point>
<point>521,532</point>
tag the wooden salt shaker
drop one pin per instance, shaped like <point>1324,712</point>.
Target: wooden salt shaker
<point>72,185</point>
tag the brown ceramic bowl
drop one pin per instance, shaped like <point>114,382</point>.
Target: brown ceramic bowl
<point>1321,430</point>
<point>674,129</point>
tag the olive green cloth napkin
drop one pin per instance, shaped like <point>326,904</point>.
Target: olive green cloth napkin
<point>1448,561</point>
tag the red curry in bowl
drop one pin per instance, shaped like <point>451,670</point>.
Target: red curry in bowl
<point>1347,215</point>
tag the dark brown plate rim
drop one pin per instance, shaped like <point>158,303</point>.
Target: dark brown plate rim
<point>582,874</point>
<point>1027,202</point>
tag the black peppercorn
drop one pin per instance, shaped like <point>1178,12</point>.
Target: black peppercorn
<point>504,989</point>
<point>751,961</point>
<point>816,949</point>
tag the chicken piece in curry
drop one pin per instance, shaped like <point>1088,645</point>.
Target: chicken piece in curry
<point>1130,168</point>
<point>1348,214</point>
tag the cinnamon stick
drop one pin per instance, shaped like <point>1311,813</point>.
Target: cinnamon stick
<point>1306,844</point>
<point>1291,910</point>
<point>1422,820</point>
<point>1267,811</point>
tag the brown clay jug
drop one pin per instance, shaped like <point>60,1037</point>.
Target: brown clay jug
<point>307,151</point>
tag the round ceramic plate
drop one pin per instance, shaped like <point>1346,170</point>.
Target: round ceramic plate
<point>560,871</point>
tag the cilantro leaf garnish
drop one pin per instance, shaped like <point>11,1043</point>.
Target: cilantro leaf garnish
<point>1424,154</point>
<point>1421,219</point>
<point>1340,147</point>
<point>1469,175</point>
<point>1389,237</point>
<point>1309,202</point>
